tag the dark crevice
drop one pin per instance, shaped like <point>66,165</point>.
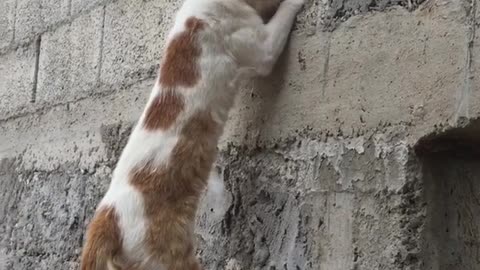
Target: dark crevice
<point>462,141</point>
<point>326,67</point>
<point>340,10</point>
<point>451,177</point>
<point>463,101</point>
<point>38,43</point>
<point>14,22</point>
<point>102,40</point>
<point>69,7</point>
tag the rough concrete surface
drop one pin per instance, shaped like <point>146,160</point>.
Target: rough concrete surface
<point>17,75</point>
<point>7,18</point>
<point>34,16</point>
<point>360,152</point>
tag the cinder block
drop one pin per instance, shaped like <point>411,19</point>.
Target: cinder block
<point>69,59</point>
<point>392,67</point>
<point>35,16</point>
<point>72,133</point>
<point>17,70</point>
<point>134,38</point>
<point>7,19</point>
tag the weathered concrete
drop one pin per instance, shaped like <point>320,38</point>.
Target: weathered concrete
<point>133,42</point>
<point>78,6</point>
<point>344,192</point>
<point>70,59</point>
<point>359,152</point>
<point>17,75</point>
<point>35,16</point>
<point>451,236</point>
<point>7,22</point>
<point>336,81</point>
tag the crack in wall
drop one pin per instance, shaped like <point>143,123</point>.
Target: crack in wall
<point>326,67</point>
<point>69,7</point>
<point>462,111</point>
<point>38,43</point>
<point>14,21</point>
<point>102,40</point>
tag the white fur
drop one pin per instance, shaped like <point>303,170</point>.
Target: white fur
<point>128,204</point>
<point>235,47</point>
<point>142,147</point>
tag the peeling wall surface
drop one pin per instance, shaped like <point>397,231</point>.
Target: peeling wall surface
<point>360,152</point>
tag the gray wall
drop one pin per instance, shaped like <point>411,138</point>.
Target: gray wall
<point>360,152</point>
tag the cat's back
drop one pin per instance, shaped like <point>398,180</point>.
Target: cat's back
<point>200,51</point>
<point>220,16</point>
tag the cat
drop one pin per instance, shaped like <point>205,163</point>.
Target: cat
<point>146,218</point>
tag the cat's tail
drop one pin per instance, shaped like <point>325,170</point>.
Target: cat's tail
<point>103,241</point>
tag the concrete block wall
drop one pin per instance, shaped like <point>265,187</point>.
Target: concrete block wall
<point>359,152</point>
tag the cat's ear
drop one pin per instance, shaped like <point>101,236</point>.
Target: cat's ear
<point>264,8</point>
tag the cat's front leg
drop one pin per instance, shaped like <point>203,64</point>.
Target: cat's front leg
<point>278,30</point>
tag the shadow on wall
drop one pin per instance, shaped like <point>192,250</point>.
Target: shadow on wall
<point>451,171</point>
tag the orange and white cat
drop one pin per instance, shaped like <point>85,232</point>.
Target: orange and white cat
<point>146,218</point>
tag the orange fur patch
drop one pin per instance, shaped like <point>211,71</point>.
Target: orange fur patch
<point>171,193</point>
<point>103,240</point>
<point>180,67</point>
<point>163,111</point>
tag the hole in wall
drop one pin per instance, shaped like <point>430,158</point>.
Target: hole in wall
<point>451,172</point>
